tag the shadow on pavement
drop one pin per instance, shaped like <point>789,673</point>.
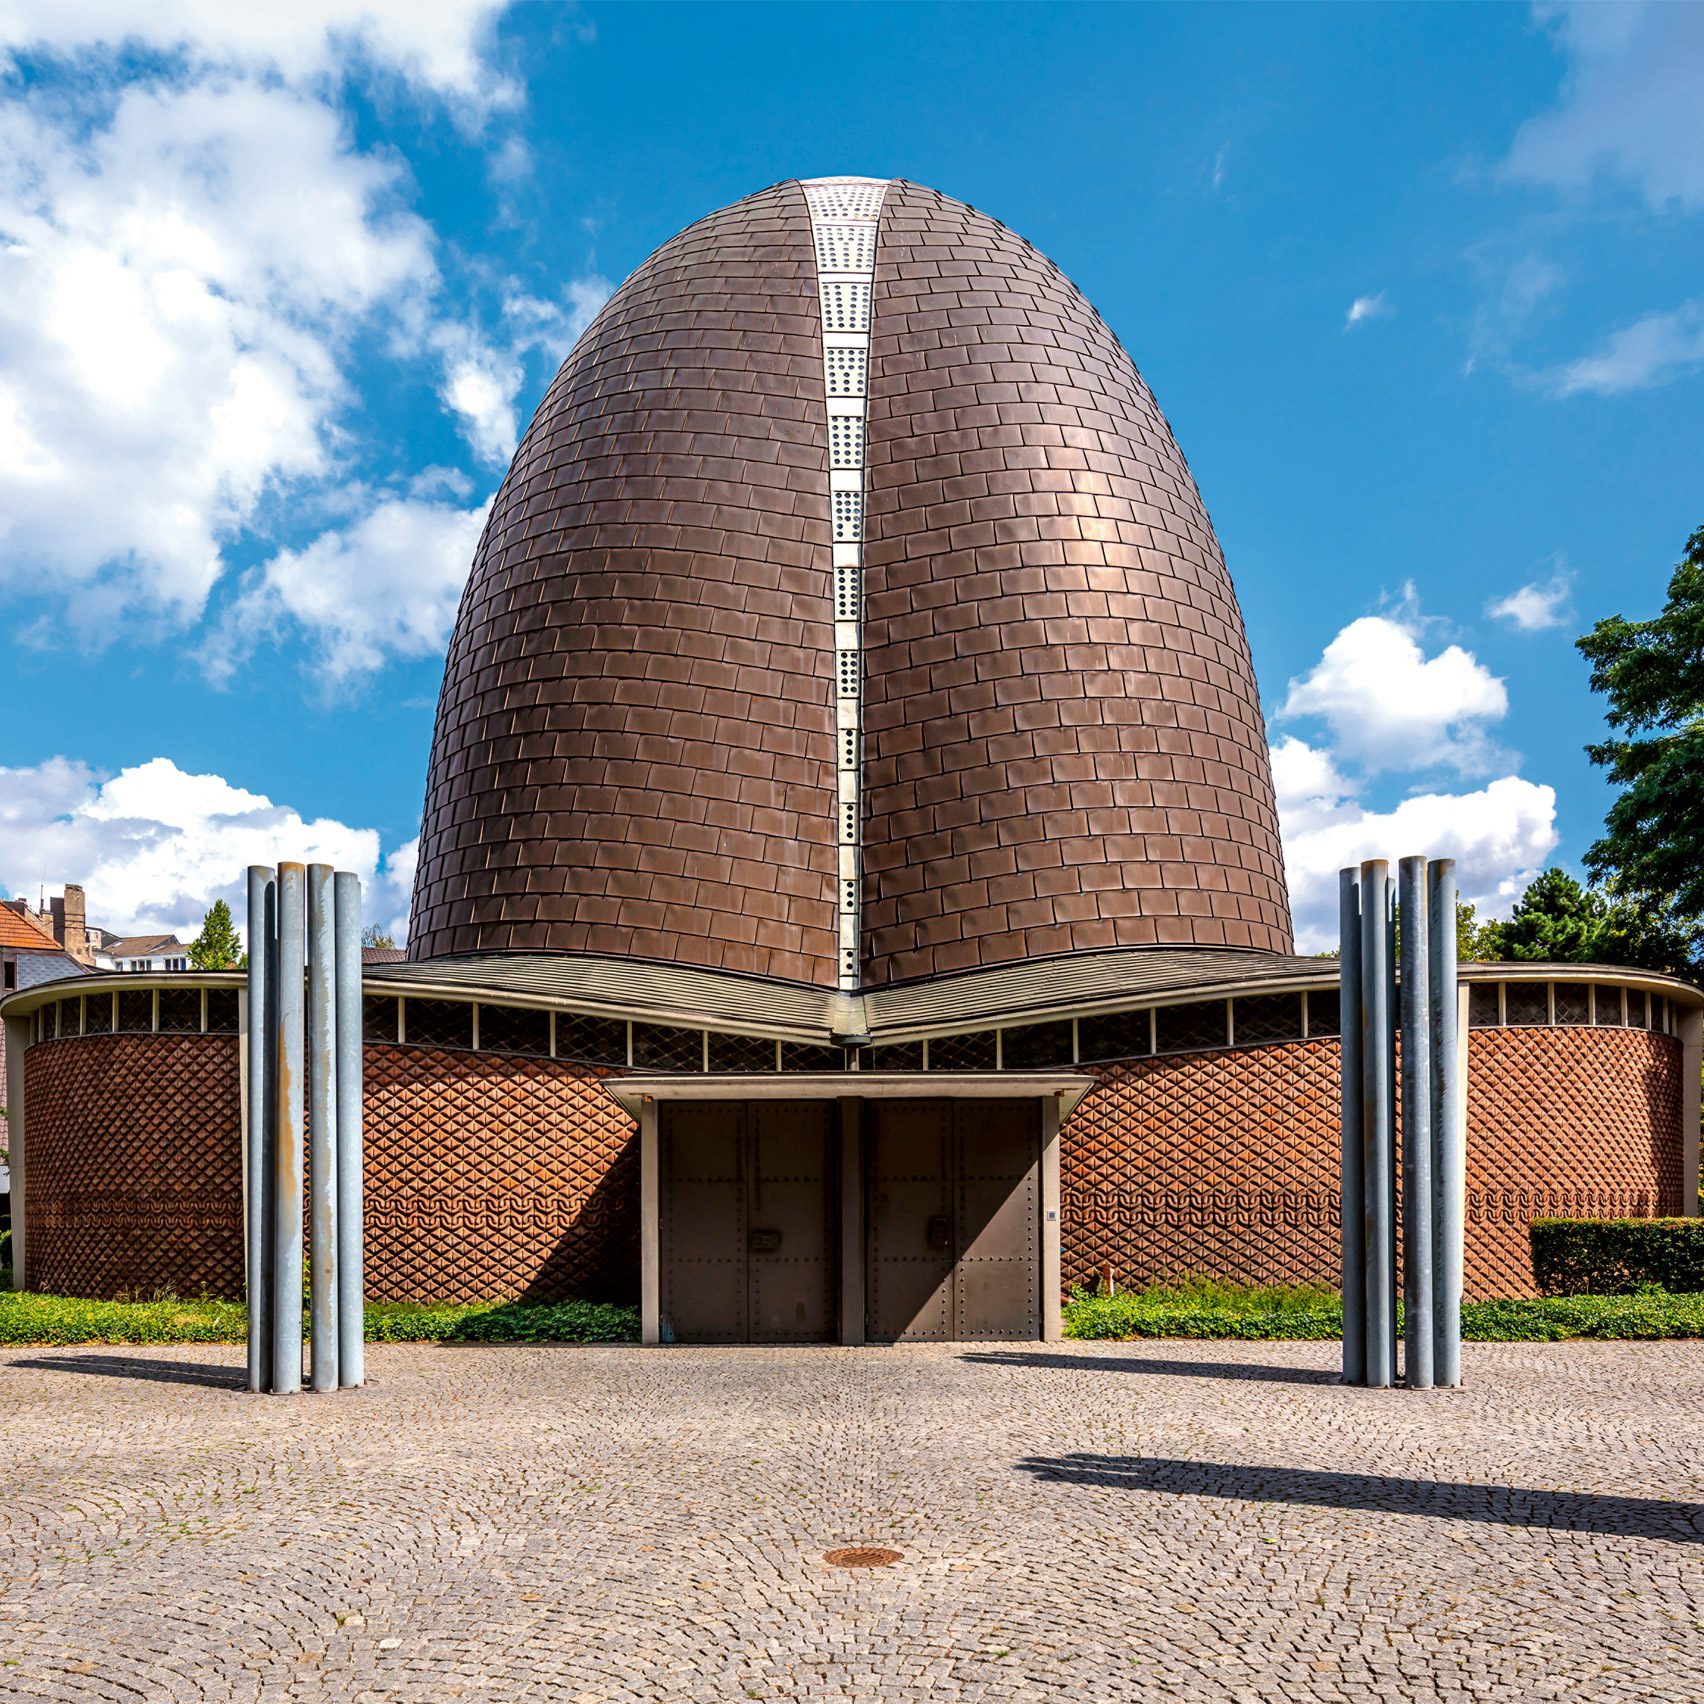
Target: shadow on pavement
<point>1152,1364</point>
<point>1438,1499</point>
<point>140,1367</point>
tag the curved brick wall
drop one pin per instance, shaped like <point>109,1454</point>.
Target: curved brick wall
<point>1227,1163</point>
<point>133,1169</point>
<point>491,1175</point>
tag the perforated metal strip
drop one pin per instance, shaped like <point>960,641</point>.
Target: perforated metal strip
<point>845,213</point>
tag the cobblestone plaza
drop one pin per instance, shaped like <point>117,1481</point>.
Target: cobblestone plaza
<point>1113,1521</point>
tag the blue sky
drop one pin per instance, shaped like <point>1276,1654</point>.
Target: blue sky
<point>1421,290</point>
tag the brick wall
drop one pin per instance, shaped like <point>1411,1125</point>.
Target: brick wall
<point>1227,1163</point>
<point>491,1175</point>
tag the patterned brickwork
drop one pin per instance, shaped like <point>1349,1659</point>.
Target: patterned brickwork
<point>634,749</point>
<point>1227,1163</point>
<point>495,1175</point>
<point>134,1169</point>
<point>491,1176</point>
<point>1064,743</point>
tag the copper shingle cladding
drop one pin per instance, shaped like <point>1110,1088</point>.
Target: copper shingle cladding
<point>1063,746</point>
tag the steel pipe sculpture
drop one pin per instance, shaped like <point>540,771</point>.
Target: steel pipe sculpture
<point>303,1059</point>
<point>1432,1148</point>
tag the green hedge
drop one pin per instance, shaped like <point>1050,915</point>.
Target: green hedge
<point>1610,1257</point>
<point>1231,1311</point>
<point>27,1318</point>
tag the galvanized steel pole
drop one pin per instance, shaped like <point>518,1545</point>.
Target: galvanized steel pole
<point>351,1288</point>
<point>1417,1237</point>
<point>1376,1122</point>
<point>1449,1128</point>
<point>322,1123</point>
<point>260,1048</point>
<point>1352,1198</point>
<point>287,1149</point>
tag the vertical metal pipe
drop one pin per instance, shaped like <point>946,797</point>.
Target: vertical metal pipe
<point>1417,1288</point>
<point>260,1047</point>
<point>1449,1128</point>
<point>322,1123</point>
<point>1376,1120</point>
<point>288,1109</point>
<point>1394,1286</point>
<point>1353,1191</point>
<point>351,1285</point>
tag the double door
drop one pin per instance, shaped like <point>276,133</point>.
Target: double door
<point>785,1221</point>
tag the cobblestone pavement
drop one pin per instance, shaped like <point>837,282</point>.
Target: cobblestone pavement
<point>1107,1521</point>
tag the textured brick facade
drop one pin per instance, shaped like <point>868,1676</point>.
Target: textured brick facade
<point>491,1175</point>
<point>1227,1163</point>
<point>134,1166</point>
<point>1063,746</point>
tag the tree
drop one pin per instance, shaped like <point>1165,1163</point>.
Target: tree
<point>1652,673</point>
<point>1560,921</point>
<point>218,946</point>
<point>374,936</point>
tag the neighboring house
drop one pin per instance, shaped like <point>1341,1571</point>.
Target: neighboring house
<point>64,921</point>
<point>384,955</point>
<point>148,952</point>
<point>29,955</point>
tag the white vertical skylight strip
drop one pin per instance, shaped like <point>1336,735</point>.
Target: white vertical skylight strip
<point>844,214</point>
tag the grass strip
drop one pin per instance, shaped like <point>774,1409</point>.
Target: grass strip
<point>1208,1309</point>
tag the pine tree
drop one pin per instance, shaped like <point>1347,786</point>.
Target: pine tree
<point>218,946</point>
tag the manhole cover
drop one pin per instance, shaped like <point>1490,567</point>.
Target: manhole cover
<point>861,1556</point>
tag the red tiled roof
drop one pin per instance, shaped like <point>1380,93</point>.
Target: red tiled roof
<point>25,933</point>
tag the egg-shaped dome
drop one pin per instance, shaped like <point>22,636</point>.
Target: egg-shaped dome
<point>848,615</point>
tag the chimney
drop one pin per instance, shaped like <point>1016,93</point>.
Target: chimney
<point>70,924</point>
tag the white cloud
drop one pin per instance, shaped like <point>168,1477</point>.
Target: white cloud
<point>433,44</point>
<point>176,285</point>
<point>1365,308</point>
<point>1629,104</point>
<point>1649,352</point>
<point>1536,605</point>
<point>482,381</point>
<point>1500,836</point>
<point>385,587</point>
<point>1389,706</point>
<point>154,846</point>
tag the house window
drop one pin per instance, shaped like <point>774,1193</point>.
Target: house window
<point>11,974</point>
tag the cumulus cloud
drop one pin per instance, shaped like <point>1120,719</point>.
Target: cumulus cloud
<point>433,44</point>
<point>1365,308</point>
<point>1651,351</point>
<point>1536,605</point>
<point>175,288</point>
<point>1390,706</point>
<point>1628,106</point>
<point>384,588</point>
<point>483,378</point>
<point>154,846</point>
<point>1500,835</point>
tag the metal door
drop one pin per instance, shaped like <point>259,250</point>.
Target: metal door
<point>908,1239</point>
<point>747,1200</point>
<point>953,1239</point>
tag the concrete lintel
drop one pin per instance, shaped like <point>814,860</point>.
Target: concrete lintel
<point>632,1093</point>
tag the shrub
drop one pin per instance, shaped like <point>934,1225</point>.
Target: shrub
<point>1611,1257</point>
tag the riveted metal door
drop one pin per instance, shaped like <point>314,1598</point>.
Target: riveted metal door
<point>953,1240</point>
<point>997,1148</point>
<point>746,1202</point>
<point>792,1267</point>
<point>908,1240</point>
<point>702,1161</point>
